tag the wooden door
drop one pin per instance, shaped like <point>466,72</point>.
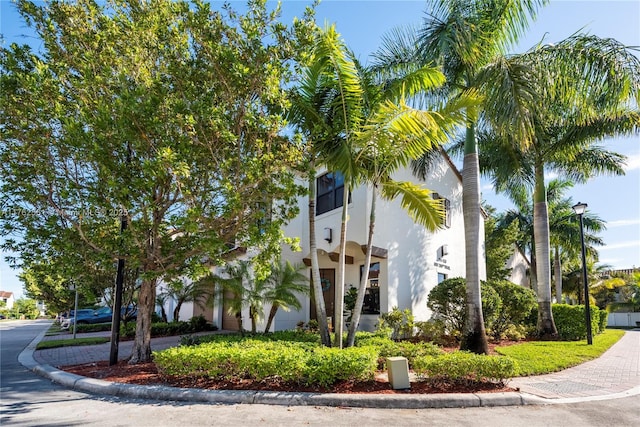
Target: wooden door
<point>327,278</point>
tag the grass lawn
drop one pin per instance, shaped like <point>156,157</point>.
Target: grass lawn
<point>542,357</point>
<point>71,342</point>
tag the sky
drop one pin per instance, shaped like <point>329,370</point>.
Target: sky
<point>616,200</point>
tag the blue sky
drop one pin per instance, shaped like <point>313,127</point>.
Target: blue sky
<point>362,23</point>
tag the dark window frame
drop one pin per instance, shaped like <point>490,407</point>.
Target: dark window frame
<point>332,197</point>
<point>446,206</point>
<point>371,304</point>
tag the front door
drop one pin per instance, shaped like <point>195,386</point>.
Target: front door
<point>327,279</point>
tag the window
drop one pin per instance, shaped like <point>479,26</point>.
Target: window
<point>441,277</point>
<point>330,192</point>
<point>371,304</point>
<point>446,206</point>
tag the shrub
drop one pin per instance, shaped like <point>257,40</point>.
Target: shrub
<point>326,366</point>
<point>166,329</point>
<point>517,304</point>
<point>262,359</point>
<point>464,367</point>
<point>385,347</point>
<point>95,327</point>
<point>400,323</point>
<point>434,331</point>
<point>570,321</point>
<point>447,300</point>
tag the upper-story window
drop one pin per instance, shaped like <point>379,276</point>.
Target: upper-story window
<point>446,205</point>
<point>330,192</point>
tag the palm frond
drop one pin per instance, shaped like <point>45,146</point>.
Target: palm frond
<point>417,201</point>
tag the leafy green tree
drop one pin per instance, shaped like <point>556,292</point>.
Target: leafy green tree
<point>180,132</point>
<point>469,40</point>
<point>25,307</point>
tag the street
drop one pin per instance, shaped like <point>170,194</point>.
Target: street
<point>29,400</point>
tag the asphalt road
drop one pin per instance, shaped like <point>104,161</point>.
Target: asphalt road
<point>29,400</point>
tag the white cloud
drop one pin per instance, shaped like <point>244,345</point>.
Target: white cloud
<point>623,222</point>
<point>630,244</point>
<point>548,176</point>
<point>487,187</point>
<point>633,162</point>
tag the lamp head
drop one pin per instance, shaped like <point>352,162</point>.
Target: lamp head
<point>579,208</point>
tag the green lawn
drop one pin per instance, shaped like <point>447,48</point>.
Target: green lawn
<point>542,357</point>
<point>71,342</point>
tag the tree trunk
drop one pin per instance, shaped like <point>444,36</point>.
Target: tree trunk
<point>546,326</point>
<point>357,310</point>
<point>474,337</point>
<point>254,319</point>
<point>321,312</point>
<point>164,314</point>
<point>558,275</point>
<point>141,352</point>
<point>239,320</point>
<point>339,286</point>
<point>272,315</point>
<point>176,311</point>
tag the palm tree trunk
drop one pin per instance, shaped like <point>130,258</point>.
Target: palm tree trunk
<point>558,275</point>
<point>141,352</point>
<point>339,286</point>
<point>357,310</point>
<point>474,337</point>
<point>176,311</point>
<point>272,315</point>
<point>321,312</point>
<point>546,326</point>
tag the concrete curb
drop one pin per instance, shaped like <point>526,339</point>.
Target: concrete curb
<point>384,401</point>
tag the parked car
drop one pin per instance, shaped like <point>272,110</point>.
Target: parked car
<point>101,315</point>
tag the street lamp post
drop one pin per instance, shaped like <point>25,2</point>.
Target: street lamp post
<point>579,209</point>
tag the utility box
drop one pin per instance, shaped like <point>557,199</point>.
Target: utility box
<point>398,370</point>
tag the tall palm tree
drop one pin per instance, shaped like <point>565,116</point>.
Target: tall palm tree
<point>466,38</point>
<point>563,224</point>
<point>392,135</point>
<point>322,109</point>
<point>286,284</point>
<point>587,90</point>
<point>377,132</point>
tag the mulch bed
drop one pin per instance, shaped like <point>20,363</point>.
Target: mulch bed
<point>147,374</point>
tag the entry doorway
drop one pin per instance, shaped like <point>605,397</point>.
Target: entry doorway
<point>327,279</point>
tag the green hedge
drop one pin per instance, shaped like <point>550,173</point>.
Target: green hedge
<point>388,348</point>
<point>570,321</point>
<point>461,367</point>
<point>260,360</point>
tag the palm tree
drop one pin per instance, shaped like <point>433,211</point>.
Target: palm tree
<point>563,224</point>
<point>233,283</point>
<point>286,283</point>
<point>326,85</point>
<point>392,135</point>
<point>182,292</point>
<point>586,91</point>
<point>466,39</point>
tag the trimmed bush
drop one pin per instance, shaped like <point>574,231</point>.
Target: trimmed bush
<point>397,324</point>
<point>465,367</point>
<point>385,347</point>
<point>570,321</point>
<point>163,329</point>
<point>95,327</point>
<point>517,304</point>
<point>260,360</point>
<point>447,300</point>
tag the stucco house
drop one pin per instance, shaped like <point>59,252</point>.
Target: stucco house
<point>7,298</point>
<point>408,260</point>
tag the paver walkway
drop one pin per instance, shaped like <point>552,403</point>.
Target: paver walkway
<point>616,371</point>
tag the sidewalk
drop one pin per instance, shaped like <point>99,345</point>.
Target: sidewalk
<point>615,374</point>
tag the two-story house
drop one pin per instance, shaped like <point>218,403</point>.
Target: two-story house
<point>407,262</point>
